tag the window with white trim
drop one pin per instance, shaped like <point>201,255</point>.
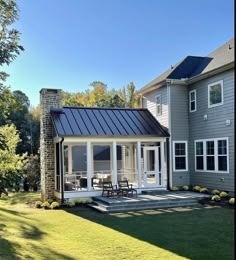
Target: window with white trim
<point>158,105</point>
<point>215,94</point>
<point>180,155</point>
<point>199,156</point>
<point>192,101</point>
<point>211,155</point>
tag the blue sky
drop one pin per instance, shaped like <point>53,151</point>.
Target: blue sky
<point>71,43</point>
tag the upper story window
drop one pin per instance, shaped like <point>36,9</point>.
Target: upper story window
<point>158,105</point>
<point>192,101</point>
<point>215,94</point>
<point>180,155</point>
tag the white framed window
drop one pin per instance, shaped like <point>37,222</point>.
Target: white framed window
<point>215,94</point>
<point>158,105</point>
<point>211,155</point>
<point>192,101</point>
<point>180,155</point>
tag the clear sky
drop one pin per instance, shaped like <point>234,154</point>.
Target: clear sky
<point>71,43</point>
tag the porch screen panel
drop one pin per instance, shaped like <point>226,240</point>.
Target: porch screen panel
<point>101,158</point>
<point>66,163</point>
<point>79,159</point>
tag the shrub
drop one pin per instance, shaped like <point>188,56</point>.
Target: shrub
<point>38,204</point>
<point>54,205</point>
<point>204,190</point>
<point>185,187</point>
<point>231,201</point>
<point>45,205</point>
<point>196,188</point>
<point>223,194</point>
<point>78,201</point>
<point>174,188</point>
<point>216,198</point>
<point>50,201</point>
<point>89,200</point>
<point>70,204</point>
<point>215,192</point>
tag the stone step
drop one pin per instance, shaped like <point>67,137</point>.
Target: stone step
<point>147,201</point>
<point>103,207</point>
<point>139,207</point>
<point>155,192</point>
<point>133,201</point>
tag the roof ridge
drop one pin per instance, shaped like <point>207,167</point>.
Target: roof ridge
<point>104,108</point>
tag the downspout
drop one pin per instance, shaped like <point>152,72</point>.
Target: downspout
<point>62,170</point>
<point>169,184</point>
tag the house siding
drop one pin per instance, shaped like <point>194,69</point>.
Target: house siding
<point>214,127</point>
<point>179,127</point>
<point>149,102</point>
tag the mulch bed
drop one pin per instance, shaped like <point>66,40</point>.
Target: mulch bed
<point>222,202</point>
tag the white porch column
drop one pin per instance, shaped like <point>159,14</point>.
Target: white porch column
<point>114,163</point>
<point>89,166</point>
<point>163,165</point>
<point>139,164</point>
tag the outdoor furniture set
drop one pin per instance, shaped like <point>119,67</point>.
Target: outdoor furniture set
<point>123,189</point>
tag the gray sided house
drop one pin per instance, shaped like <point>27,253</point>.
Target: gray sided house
<point>194,100</point>
<point>83,147</point>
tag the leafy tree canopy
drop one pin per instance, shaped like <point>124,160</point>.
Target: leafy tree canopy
<point>9,37</point>
<point>11,164</point>
<point>100,96</point>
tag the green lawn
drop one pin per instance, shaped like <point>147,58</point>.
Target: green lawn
<point>81,233</point>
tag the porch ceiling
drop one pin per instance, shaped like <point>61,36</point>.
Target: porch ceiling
<point>81,121</point>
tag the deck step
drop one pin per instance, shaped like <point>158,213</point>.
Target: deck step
<point>142,202</point>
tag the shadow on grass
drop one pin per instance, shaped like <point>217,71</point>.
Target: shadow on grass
<point>16,224</point>
<point>191,232</point>
<point>8,252</point>
<point>22,197</point>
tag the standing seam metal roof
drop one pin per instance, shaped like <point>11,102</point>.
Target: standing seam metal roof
<point>89,121</point>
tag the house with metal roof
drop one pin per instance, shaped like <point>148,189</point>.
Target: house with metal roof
<point>194,100</point>
<point>83,147</point>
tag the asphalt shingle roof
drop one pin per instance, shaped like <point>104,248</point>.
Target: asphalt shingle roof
<point>194,65</point>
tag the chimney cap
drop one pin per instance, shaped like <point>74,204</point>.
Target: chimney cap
<point>50,90</point>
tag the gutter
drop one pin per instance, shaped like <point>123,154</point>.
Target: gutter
<point>61,170</point>
<point>60,141</point>
<point>211,73</point>
<point>169,173</point>
<point>155,86</point>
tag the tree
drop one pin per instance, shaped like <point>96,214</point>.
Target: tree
<point>9,49</point>
<point>100,96</point>
<point>9,37</point>
<point>11,164</point>
<point>19,115</point>
<point>6,99</point>
<point>34,117</point>
<point>129,95</point>
<point>32,171</point>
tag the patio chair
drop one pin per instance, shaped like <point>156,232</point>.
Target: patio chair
<point>110,190</point>
<point>127,189</point>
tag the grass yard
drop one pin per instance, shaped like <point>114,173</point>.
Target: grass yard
<point>81,233</point>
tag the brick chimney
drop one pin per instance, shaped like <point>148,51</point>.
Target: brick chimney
<point>49,98</point>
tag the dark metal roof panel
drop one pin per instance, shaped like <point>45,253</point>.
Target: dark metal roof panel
<point>103,122</point>
<point>73,122</point>
<point>81,121</point>
<point>110,122</point>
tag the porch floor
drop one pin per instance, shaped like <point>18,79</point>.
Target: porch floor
<point>148,201</point>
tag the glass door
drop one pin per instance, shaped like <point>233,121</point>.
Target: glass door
<point>152,175</point>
